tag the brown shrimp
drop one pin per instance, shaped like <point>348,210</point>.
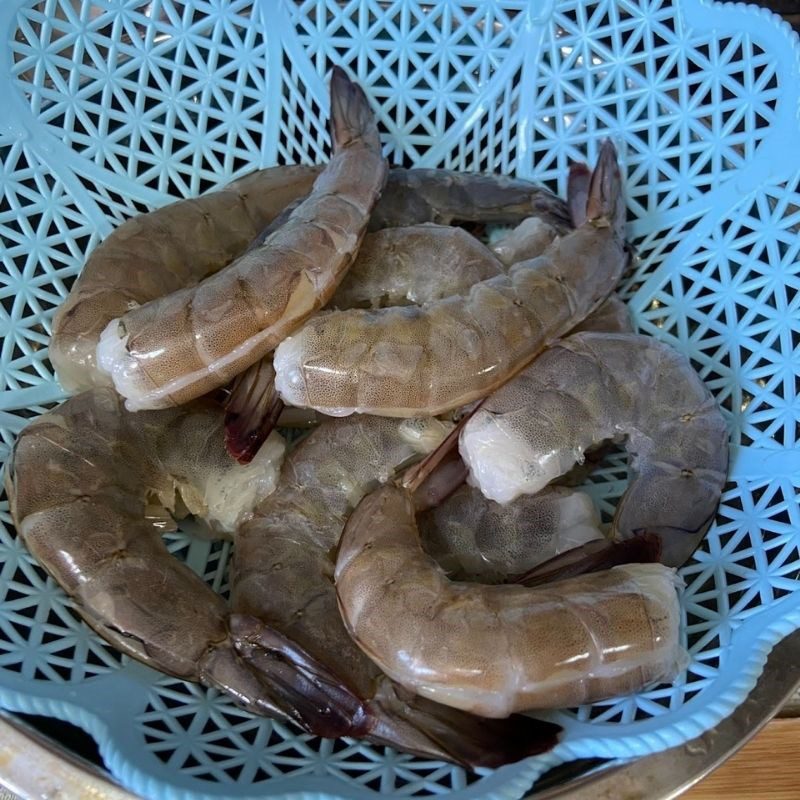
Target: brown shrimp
<point>496,650</point>
<point>155,254</point>
<point>196,339</point>
<point>430,359</point>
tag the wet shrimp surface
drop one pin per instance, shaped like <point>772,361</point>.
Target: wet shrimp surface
<point>360,607</point>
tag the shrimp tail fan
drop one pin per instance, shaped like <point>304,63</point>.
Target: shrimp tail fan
<point>580,177</point>
<point>306,690</point>
<point>605,205</point>
<point>644,548</point>
<point>427,728</point>
<point>352,119</point>
<point>251,411</point>
<point>317,700</point>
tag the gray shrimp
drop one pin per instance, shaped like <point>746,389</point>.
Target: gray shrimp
<point>152,255</point>
<point>592,387</point>
<point>475,539</point>
<point>198,338</point>
<point>92,488</point>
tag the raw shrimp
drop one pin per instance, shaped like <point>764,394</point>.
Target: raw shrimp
<point>198,338</point>
<point>415,196</point>
<point>395,266</point>
<point>181,244</point>
<point>495,650</point>
<point>441,196</point>
<point>93,486</point>
<point>416,264</point>
<point>431,359</point>
<point>284,602</point>
<point>155,254</point>
<point>473,538</point>
<point>593,387</point>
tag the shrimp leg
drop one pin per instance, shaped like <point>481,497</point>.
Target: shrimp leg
<point>181,346</point>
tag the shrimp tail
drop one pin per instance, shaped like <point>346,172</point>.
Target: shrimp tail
<point>441,483</point>
<point>415,477</point>
<point>580,177</point>
<point>251,411</point>
<point>420,725</point>
<point>317,700</point>
<point>309,693</point>
<point>644,548</point>
<point>352,119</point>
<point>605,205</point>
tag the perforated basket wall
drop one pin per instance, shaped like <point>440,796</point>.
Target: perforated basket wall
<point>111,107</point>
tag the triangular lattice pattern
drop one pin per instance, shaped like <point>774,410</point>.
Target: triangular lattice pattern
<point>114,106</point>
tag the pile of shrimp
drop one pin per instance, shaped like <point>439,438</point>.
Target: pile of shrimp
<point>420,567</point>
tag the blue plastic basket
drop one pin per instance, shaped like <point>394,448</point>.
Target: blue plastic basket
<point>111,107</point>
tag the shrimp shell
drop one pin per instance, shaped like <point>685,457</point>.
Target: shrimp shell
<point>429,360</point>
<point>194,340</point>
<point>475,539</point>
<point>282,590</point>
<point>155,254</point>
<point>495,650</point>
<point>92,487</point>
<point>414,264</point>
<point>592,387</point>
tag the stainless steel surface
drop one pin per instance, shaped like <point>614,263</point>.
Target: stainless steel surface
<point>666,775</point>
<point>32,767</point>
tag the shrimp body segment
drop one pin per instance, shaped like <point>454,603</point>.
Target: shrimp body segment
<point>495,650</point>
<point>592,387</point>
<point>187,343</point>
<point>473,538</point>
<point>414,264</point>
<point>92,487</point>
<point>409,361</point>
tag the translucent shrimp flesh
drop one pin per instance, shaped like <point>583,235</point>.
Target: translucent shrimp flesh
<point>428,360</point>
<point>187,343</point>
<point>593,387</point>
<point>495,650</point>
